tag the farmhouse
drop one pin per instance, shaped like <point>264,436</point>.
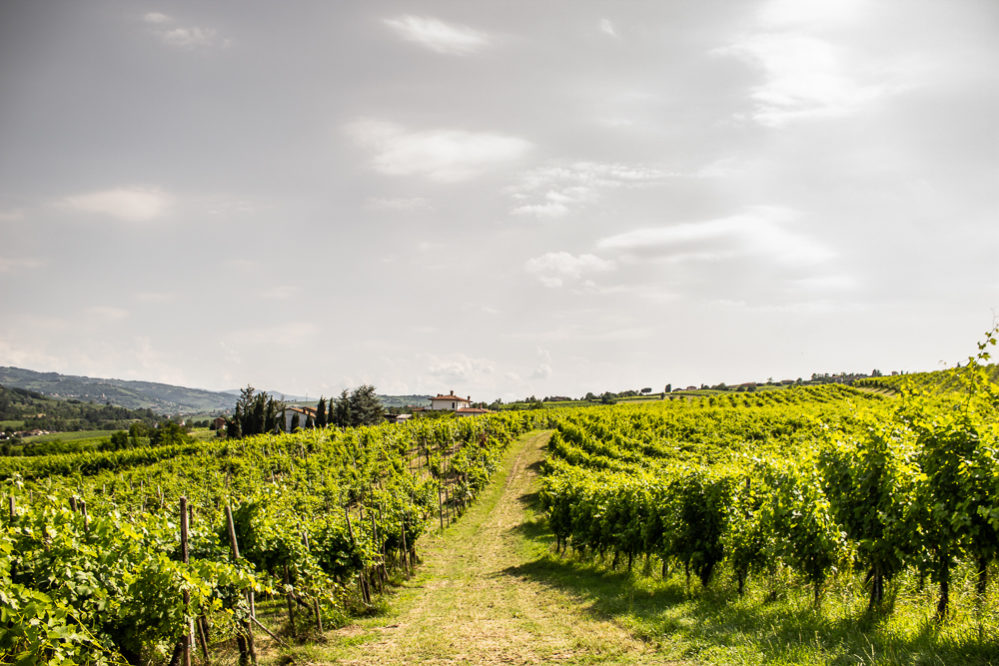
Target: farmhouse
<point>304,414</point>
<point>450,402</point>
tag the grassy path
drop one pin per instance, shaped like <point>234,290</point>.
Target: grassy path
<point>469,604</point>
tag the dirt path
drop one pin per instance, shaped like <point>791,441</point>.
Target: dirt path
<point>468,605</point>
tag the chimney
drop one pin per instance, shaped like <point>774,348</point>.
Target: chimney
<point>452,391</point>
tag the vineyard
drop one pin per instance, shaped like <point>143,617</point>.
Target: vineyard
<point>840,491</point>
<point>881,499</point>
<point>145,556</point>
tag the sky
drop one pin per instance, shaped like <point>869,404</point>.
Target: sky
<point>501,199</point>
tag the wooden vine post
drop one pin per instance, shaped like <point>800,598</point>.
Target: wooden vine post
<point>362,583</point>
<point>405,550</point>
<point>185,655</point>
<point>315,602</point>
<point>291,600</point>
<point>246,645</point>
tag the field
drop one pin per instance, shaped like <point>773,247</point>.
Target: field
<point>821,524</point>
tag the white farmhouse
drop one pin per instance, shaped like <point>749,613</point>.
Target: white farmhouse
<point>450,402</point>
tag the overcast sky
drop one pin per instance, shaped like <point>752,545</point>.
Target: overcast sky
<point>502,199</point>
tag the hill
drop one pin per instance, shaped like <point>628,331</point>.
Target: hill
<point>161,398</point>
<point>28,410</point>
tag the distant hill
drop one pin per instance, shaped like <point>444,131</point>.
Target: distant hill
<point>22,409</point>
<point>161,398</point>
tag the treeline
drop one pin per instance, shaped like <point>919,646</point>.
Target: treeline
<point>259,413</point>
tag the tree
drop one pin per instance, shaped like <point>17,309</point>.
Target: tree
<point>255,413</point>
<point>365,407</point>
<point>321,413</point>
<point>296,421</point>
<point>341,411</point>
<point>168,432</point>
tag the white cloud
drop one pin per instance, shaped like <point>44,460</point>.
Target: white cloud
<point>157,18</point>
<point>803,13</point>
<point>804,77</point>
<point>554,269</point>
<point>193,37</point>
<point>438,36</point>
<point>607,28</point>
<point>759,233</point>
<point>555,191</point>
<point>444,155</point>
<point>132,204</point>
<point>810,63</point>
<point>184,37</point>
<point>18,264</point>
<point>11,215</point>
<point>460,368</point>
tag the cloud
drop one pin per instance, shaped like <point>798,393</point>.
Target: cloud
<point>777,14</point>
<point>607,28</point>
<point>759,233</point>
<point>131,204</point>
<point>460,368</point>
<point>555,191</point>
<point>443,155</point>
<point>554,269</point>
<point>438,36</point>
<point>15,215</point>
<point>18,264</point>
<point>156,18</point>
<point>544,367</point>
<point>804,78</point>
<point>184,37</point>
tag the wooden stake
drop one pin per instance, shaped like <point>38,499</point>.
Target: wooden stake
<point>405,551</point>
<point>86,518</point>
<point>203,637</point>
<point>248,627</point>
<point>185,655</point>
<point>291,604</point>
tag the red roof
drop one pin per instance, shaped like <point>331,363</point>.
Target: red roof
<point>451,397</point>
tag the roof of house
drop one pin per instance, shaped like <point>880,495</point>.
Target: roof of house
<point>451,397</point>
<point>472,411</point>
